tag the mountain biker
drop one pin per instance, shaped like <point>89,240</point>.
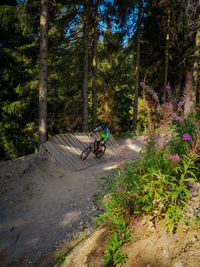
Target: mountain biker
<point>104,135</point>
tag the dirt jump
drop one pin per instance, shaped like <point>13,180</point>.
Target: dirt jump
<point>44,205</point>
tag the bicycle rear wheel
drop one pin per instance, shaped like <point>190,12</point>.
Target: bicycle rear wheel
<point>85,153</point>
<point>100,152</point>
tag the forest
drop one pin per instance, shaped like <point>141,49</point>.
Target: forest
<point>66,66</point>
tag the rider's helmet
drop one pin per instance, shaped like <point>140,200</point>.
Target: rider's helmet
<point>104,125</point>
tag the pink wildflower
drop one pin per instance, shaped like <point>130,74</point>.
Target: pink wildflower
<point>163,99</point>
<point>175,116</point>
<point>180,104</point>
<point>186,137</point>
<point>180,118</point>
<point>141,84</point>
<point>119,189</point>
<point>168,87</point>
<point>175,158</point>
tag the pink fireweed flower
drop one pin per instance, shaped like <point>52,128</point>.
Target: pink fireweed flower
<point>168,87</point>
<point>186,137</point>
<point>141,84</point>
<point>119,189</point>
<point>180,118</point>
<point>180,104</point>
<point>174,116</point>
<point>175,158</point>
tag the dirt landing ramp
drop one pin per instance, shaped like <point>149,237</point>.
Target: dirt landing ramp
<point>67,148</point>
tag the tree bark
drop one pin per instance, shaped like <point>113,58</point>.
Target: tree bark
<point>166,54</point>
<point>42,135</point>
<point>94,64</point>
<point>137,69</point>
<point>85,65</point>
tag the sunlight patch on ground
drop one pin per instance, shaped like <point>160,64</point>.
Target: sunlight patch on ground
<point>135,147</point>
<point>69,217</point>
<point>111,167</point>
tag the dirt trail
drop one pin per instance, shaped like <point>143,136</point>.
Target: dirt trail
<point>43,206</point>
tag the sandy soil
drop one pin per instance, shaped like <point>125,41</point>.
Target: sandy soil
<point>43,205</point>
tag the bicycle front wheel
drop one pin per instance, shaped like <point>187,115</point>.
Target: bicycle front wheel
<point>85,153</point>
<point>101,151</point>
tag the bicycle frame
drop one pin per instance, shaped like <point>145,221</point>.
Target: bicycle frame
<point>95,146</point>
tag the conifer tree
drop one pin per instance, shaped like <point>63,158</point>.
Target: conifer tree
<point>137,69</point>
<point>85,64</point>
<point>94,62</point>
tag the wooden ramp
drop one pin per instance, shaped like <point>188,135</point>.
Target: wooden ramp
<point>67,148</point>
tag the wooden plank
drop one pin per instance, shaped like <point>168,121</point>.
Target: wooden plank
<point>53,151</point>
<point>67,152</point>
<point>73,158</point>
<point>65,156</point>
<point>80,147</point>
<point>75,151</point>
<point>87,139</point>
<point>70,146</point>
<point>114,142</point>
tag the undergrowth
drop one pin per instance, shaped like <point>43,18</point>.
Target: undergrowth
<point>157,184</point>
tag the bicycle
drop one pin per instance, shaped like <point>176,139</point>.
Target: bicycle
<point>97,148</point>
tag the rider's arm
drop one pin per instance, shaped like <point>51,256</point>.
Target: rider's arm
<point>107,134</point>
<point>97,129</point>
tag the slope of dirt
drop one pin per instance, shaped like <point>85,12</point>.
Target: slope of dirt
<point>151,247</point>
<point>44,206</point>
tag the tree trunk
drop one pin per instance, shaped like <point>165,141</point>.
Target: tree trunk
<point>166,54</point>
<point>137,69</point>
<point>42,135</point>
<point>94,64</point>
<point>85,65</point>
